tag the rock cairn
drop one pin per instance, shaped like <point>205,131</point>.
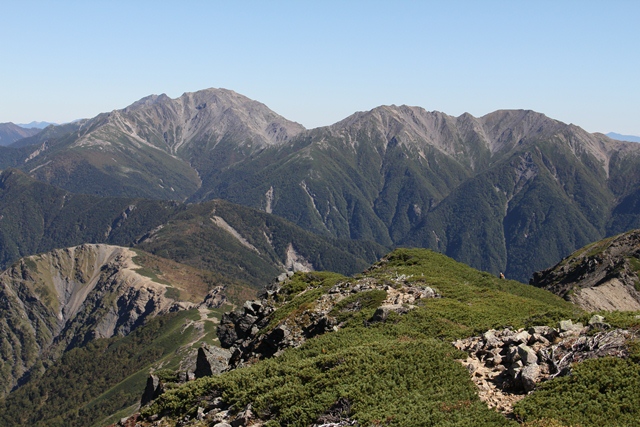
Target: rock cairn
<point>507,364</point>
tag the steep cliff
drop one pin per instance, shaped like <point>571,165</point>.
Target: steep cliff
<point>53,302</point>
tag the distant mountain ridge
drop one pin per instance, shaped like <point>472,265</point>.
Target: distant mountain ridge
<point>157,147</point>
<point>240,244</point>
<point>36,125</point>
<point>620,137</point>
<point>10,133</point>
<point>511,191</point>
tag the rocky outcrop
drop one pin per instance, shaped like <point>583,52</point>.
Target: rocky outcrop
<point>152,390</point>
<point>215,298</point>
<point>216,413</point>
<point>251,334</point>
<point>337,415</point>
<point>507,364</point>
<point>601,276</point>
<point>211,360</point>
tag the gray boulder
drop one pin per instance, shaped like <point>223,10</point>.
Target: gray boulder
<point>527,355</point>
<point>569,326</point>
<point>490,339</point>
<point>529,376</point>
<point>211,360</point>
<point>383,312</point>
<point>546,331</point>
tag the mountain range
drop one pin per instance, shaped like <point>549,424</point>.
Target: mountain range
<point>513,191</point>
<point>134,245</point>
<point>36,125</point>
<point>240,244</point>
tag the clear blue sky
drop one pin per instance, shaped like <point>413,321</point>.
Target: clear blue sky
<point>318,62</point>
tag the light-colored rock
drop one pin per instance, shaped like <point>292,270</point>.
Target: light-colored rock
<point>200,413</point>
<point>296,262</point>
<point>490,340</point>
<point>527,355</point>
<point>521,337</point>
<point>529,376</point>
<point>220,222</point>
<point>569,326</point>
<point>610,296</point>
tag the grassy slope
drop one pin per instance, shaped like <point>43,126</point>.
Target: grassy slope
<point>189,283</point>
<point>401,372</point>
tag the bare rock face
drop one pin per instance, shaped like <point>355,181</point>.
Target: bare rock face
<point>52,302</point>
<point>152,390</point>
<point>174,125</point>
<point>211,360</point>
<point>210,114</point>
<point>601,276</point>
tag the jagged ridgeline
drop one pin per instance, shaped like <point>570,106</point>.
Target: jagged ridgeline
<point>375,348</point>
<point>239,243</point>
<point>67,298</point>
<point>512,191</point>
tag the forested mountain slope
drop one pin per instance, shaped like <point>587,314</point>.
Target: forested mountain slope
<point>511,191</point>
<point>239,243</point>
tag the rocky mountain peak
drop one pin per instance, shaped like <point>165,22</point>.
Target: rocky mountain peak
<point>189,122</point>
<point>410,126</point>
<point>209,115</point>
<point>499,131</point>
